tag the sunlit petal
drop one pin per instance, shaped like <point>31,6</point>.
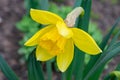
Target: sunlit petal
<point>64,59</point>
<point>44,17</point>
<point>42,54</point>
<point>85,42</point>
<point>64,30</point>
<point>34,39</point>
<point>52,41</point>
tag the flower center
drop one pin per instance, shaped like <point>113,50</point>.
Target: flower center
<point>53,42</point>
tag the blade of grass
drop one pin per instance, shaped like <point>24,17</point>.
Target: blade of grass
<point>114,39</point>
<point>82,23</point>
<point>98,72</point>
<point>7,71</point>
<point>63,76</point>
<point>109,54</point>
<point>49,70</point>
<point>34,68</point>
<point>118,67</point>
<point>67,75</point>
<point>114,75</point>
<point>78,64</point>
<point>30,4</point>
<point>107,77</point>
<point>44,4</point>
<point>94,59</point>
<point>77,3</point>
<point>107,37</point>
<point>69,72</point>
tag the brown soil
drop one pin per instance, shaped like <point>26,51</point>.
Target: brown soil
<point>11,11</point>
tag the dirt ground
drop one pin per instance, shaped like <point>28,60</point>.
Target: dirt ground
<point>12,11</point>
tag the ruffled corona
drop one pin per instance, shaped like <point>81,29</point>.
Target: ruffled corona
<point>53,42</point>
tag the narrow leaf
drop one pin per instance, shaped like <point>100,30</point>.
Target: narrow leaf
<point>82,23</point>
<point>78,64</point>
<point>104,60</point>
<point>49,70</point>
<point>44,4</point>
<point>94,59</point>
<point>69,72</point>
<point>114,75</point>
<point>63,76</point>
<point>34,68</point>
<point>108,76</point>
<point>30,4</point>
<point>118,67</point>
<point>7,71</point>
<point>114,39</point>
<point>107,37</point>
<point>77,3</point>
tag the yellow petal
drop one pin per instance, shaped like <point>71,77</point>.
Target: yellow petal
<point>64,59</point>
<point>42,54</point>
<point>63,30</point>
<point>44,17</point>
<point>52,41</point>
<point>85,42</point>
<point>34,39</point>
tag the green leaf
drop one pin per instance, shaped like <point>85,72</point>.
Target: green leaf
<point>77,3</point>
<point>114,74</point>
<point>78,64</point>
<point>95,32</point>
<point>67,75</point>
<point>37,4</point>
<point>34,68</point>
<point>26,25</point>
<point>30,4</point>
<point>118,67</point>
<point>63,76</point>
<point>7,71</point>
<point>102,61</point>
<point>107,37</point>
<point>82,23</point>
<point>94,59</point>
<point>44,4</point>
<point>114,39</point>
<point>49,70</point>
<point>69,71</point>
<point>100,69</point>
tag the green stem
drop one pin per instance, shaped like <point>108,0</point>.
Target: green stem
<point>49,70</point>
<point>79,64</point>
<point>63,76</point>
<point>44,4</point>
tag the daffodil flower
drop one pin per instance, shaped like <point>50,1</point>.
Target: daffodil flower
<point>58,38</point>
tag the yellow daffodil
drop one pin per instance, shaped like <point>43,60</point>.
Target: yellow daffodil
<point>58,38</point>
